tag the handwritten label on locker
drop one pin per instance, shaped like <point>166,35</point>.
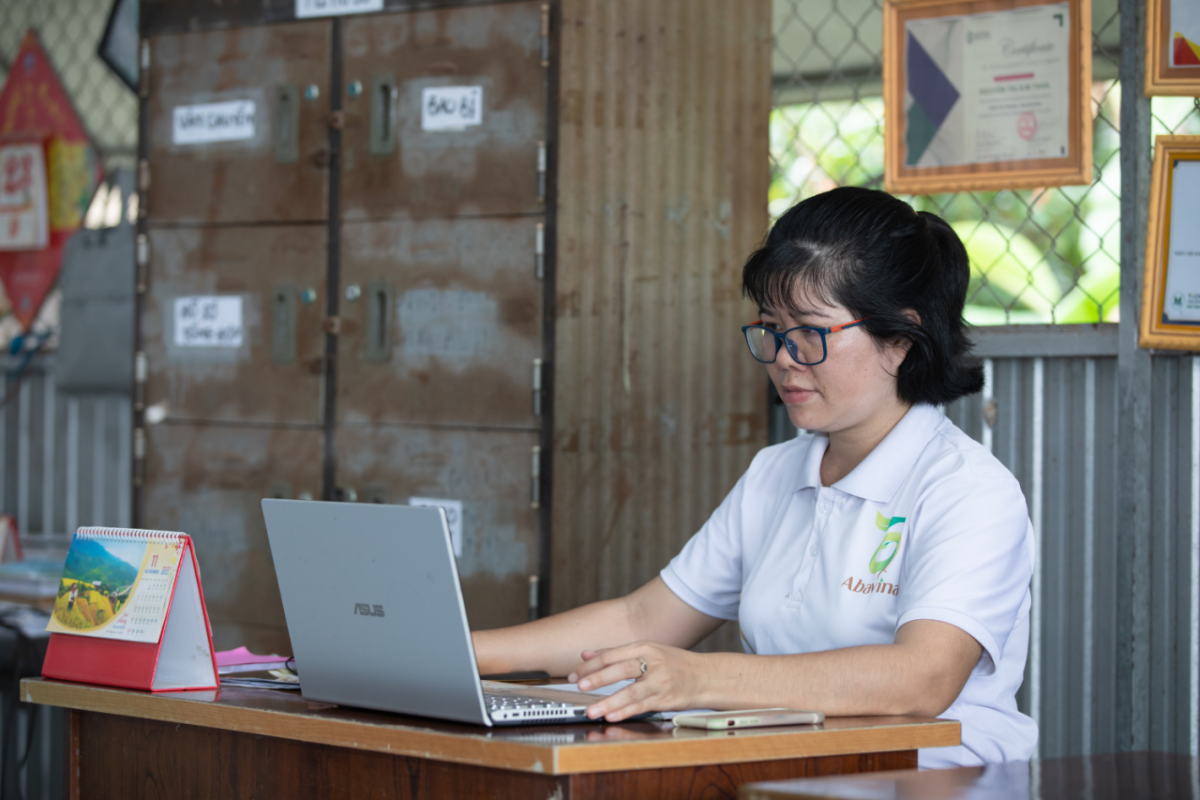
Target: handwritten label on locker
<point>333,8</point>
<point>208,321</point>
<point>454,518</point>
<point>448,108</point>
<point>213,122</point>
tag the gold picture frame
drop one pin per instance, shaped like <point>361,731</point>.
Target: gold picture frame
<point>1161,77</point>
<point>1074,168</point>
<point>1155,328</point>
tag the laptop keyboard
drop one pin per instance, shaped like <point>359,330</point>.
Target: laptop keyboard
<point>511,706</point>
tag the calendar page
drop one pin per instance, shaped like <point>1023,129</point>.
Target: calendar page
<point>117,584</point>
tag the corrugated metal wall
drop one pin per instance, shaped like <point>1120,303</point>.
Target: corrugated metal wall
<point>64,458</point>
<point>662,189</point>
<point>1056,429</point>
<point>64,462</point>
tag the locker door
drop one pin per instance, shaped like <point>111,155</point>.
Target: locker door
<point>209,481</point>
<point>488,472</point>
<point>442,321</point>
<point>238,124</point>
<point>231,323</point>
<point>444,112</point>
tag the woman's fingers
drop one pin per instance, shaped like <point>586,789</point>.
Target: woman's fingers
<point>618,707</point>
<point>599,659</point>
<point>620,671</point>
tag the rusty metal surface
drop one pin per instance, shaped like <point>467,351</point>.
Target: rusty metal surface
<point>663,177</point>
<point>240,181</point>
<point>489,471</point>
<point>488,168</point>
<point>208,481</point>
<point>458,306</point>
<point>237,384</point>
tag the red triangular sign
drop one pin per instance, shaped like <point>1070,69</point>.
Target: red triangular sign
<point>34,106</point>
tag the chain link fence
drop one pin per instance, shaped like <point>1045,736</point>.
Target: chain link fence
<point>71,30</point>
<point>1037,256</point>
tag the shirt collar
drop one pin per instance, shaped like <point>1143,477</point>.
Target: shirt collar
<point>880,474</point>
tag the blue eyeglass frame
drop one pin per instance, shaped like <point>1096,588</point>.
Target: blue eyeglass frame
<point>791,347</point>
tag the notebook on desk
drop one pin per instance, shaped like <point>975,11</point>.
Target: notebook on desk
<point>376,616</point>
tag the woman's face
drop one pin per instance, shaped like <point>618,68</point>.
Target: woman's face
<point>855,383</point>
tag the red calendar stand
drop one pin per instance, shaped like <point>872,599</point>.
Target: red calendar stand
<point>182,658</point>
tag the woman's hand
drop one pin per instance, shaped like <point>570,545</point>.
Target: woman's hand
<point>673,679</point>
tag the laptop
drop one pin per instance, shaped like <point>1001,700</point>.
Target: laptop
<point>376,616</point>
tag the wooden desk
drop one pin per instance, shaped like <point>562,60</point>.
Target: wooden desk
<point>257,743</point>
<point>1120,776</point>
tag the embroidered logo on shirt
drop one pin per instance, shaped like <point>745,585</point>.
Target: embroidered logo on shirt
<point>892,528</point>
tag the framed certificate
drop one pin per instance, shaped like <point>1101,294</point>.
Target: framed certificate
<point>1171,289</point>
<point>1173,47</point>
<point>986,94</point>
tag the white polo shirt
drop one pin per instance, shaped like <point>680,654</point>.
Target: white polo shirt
<point>929,526</point>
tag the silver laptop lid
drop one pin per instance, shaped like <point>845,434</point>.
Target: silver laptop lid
<point>374,608</point>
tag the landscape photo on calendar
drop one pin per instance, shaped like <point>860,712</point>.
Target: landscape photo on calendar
<point>97,582</point>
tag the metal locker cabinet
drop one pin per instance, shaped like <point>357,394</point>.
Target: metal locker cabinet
<point>441,309</point>
<point>393,162</point>
<point>240,220</point>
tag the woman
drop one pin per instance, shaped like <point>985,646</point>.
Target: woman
<point>878,565</point>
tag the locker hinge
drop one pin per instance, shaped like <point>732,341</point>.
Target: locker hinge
<point>545,34</point>
<point>139,455</point>
<point>539,252</point>
<point>143,262</point>
<point>537,387</point>
<point>144,64</point>
<point>140,369</point>
<point>533,597</point>
<point>143,178</point>
<point>541,172</point>
<point>535,487</point>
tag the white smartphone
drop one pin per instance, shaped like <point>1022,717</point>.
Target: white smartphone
<point>753,718</point>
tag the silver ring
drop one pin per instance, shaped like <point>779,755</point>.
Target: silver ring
<point>645,666</point>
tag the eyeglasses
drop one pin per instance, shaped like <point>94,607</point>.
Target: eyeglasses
<point>805,344</point>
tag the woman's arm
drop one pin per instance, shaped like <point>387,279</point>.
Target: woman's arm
<point>921,673</point>
<point>652,613</point>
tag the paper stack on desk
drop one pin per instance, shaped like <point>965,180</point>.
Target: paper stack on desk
<point>242,660</point>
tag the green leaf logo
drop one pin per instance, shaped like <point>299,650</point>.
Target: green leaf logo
<point>891,543</point>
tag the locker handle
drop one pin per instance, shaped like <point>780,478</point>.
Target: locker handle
<point>287,124</point>
<point>283,324</point>
<point>383,126</point>
<point>379,322</point>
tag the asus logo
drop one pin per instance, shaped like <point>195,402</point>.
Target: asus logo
<point>367,610</point>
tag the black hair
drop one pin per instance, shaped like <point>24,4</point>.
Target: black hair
<point>874,255</point>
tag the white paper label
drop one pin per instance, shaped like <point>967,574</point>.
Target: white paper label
<point>454,514</point>
<point>208,321</point>
<point>214,122</point>
<point>335,8</point>
<point>24,221</point>
<point>449,108</point>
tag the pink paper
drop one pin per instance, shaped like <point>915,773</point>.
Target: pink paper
<point>228,658</point>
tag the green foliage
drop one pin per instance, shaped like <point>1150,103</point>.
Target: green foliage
<point>1042,255</point>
